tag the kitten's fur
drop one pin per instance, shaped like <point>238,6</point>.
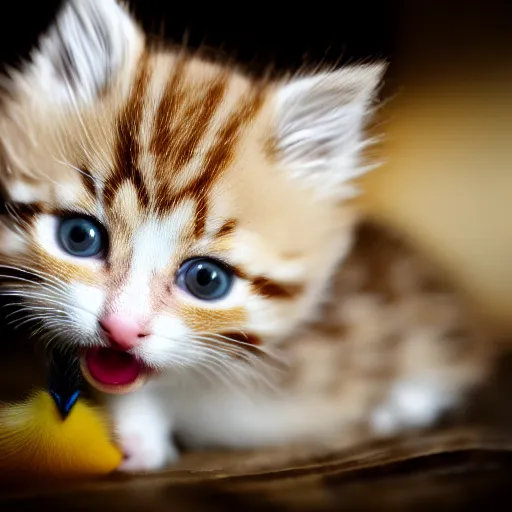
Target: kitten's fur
<point>179,157</point>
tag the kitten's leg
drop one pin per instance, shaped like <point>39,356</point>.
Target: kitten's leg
<point>438,372</point>
<point>143,428</point>
<point>413,403</point>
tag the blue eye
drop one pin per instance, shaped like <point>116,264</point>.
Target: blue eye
<point>81,237</point>
<point>205,278</point>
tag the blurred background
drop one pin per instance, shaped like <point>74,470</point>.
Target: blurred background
<point>447,178</point>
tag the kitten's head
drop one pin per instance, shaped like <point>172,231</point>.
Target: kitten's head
<point>168,207</point>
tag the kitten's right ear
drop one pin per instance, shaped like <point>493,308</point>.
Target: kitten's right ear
<point>83,49</point>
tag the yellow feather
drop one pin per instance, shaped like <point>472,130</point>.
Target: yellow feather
<point>35,441</point>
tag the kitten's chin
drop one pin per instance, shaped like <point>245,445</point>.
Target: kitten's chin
<point>112,371</point>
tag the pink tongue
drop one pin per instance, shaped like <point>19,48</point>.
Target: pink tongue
<point>112,367</point>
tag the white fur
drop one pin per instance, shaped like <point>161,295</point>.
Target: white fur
<point>154,244</point>
<point>96,35</point>
<point>144,428</point>
<point>320,125</point>
<point>228,418</point>
<point>156,240</point>
<point>22,192</point>
<point>412,403</point>
<point>69,195</point>
<point>167,347</point>
<point>85,305</point>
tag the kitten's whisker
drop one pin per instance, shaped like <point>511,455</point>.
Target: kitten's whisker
<point>44,328</point>
<point>51,336</point>
<point>247,348</point>
<point>27,312</point>
<point>46,276</point>
<point>263,350</point>
<point>252,371</point>
<point>22,310</point>
<point>59,283</point>
<point>30,318</point>
<point>31,283</point>
<point>49,320</point>
<point>16,324</point>
<point>214,345</point>
<point>19,221</point>
<point>82,172</point>
<point>218,369</point>
<point>204,348</point>
<point>258,368</point>
<point>15,223</point>
<point>239,355</point>
<point>38,296</point>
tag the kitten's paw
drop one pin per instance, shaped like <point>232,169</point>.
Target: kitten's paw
<point>144,452</point>
<point>411,405</point>
<point>143,430</point>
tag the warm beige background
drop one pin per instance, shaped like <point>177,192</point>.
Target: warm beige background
<point>447,180</point>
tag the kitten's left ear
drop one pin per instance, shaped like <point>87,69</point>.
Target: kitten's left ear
<point>83,49</point>
<point>320,123</point>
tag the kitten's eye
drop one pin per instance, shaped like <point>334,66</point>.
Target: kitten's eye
<point>81,237</point>
<point>205,278</point>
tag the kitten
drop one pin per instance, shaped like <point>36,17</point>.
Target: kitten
<point>179,223</point>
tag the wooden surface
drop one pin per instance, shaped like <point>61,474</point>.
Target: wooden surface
<point>461,469</point>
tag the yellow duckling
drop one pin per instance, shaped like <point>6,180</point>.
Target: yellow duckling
<point>55,432</point>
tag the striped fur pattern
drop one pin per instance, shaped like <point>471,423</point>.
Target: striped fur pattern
<point>178,158</point>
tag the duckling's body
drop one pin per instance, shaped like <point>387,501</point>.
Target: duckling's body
<point>55,432</point>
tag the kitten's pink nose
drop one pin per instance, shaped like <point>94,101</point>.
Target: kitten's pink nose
<point>123,332</point>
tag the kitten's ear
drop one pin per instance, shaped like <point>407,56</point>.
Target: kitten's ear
<point>321,122</point>
<point>82,50</point>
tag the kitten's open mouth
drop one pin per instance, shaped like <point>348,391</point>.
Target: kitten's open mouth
<point>113,371</point>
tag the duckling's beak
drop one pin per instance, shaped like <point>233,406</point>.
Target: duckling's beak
<point>64,380</point>
<point>65,402</point>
